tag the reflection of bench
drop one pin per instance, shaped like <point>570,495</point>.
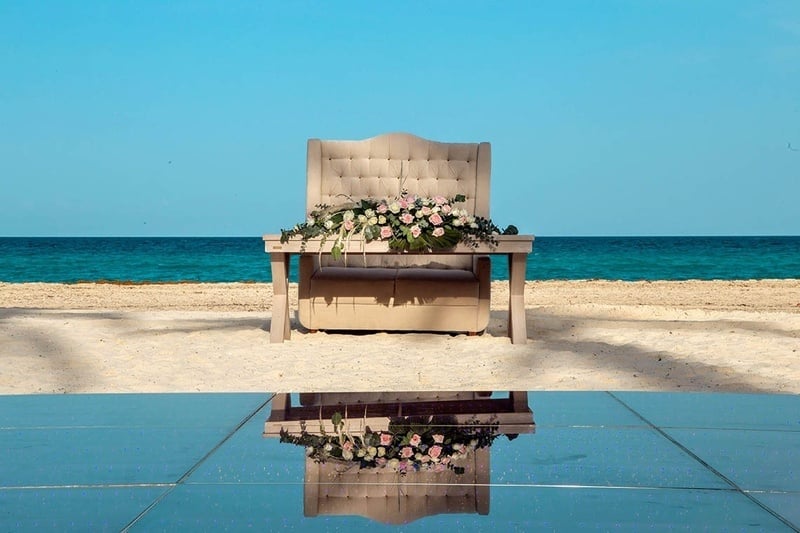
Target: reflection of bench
<point>393,291</point>
<point>389,497</point>
<point>334,488</point>
<point>375,410</point>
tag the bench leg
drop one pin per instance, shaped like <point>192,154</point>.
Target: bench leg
<point>517,329</point>
<point>279,328</point>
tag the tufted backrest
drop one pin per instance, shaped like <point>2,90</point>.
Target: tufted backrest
<point>384,166</point>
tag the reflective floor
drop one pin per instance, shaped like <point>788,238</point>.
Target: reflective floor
<point>605,461</point>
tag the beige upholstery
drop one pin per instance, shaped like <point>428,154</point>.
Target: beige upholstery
<point>403,292</point>
<point>380,494</point>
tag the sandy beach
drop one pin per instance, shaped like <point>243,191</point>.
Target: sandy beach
<point>734,336</point>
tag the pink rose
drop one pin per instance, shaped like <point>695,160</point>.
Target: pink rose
<point>386,233</point>
<point>438,439</point>
<point>439,200</point>
<point>386,439</point>
<point>347,445</point>
<point>406,452</point>
<point>415,440</point>
<point>403,203</point>
<point>426,210</point>
<point>416,231</point>
<point>446,208</point>
<point>407,218</point>
<point>435,451</point>
<point>435,219</point>
<point>348,225</point>
<point>382,208</point>
<point>438,232</point>
<point>381,461</point>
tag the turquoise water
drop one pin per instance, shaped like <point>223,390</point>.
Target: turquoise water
<point>69,260</point>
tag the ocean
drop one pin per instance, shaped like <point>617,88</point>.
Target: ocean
<point>242,259</point>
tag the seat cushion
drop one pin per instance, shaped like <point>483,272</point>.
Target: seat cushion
<point>434,286</point>
<point>355,285</point>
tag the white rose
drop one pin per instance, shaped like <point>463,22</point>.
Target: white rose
<point>328,224</point>
<point>373,220</point>
<point>362,218</point>
<point>347,455</point>
<point>348,215</point>
<point>381,220</point>
<point>394,207</point>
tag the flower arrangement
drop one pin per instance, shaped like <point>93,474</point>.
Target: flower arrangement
<point>407,223</point>
<point>409,445</point>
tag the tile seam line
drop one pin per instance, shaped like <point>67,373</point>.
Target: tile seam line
<point>705,465</point>
<point>197,465</point>
<point>87,486</point>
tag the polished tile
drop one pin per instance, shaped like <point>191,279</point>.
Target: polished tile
<point>724,411</point>
<point>578,509</point>
<point>271,507</point>
<point>248,457</point>
<point>125,410</point>
<point>199,462</point>
<point>627,457</point>
<point>73,509</point>
<point>753,460</point>
<point>785,504</point>
<point>580,409</point>
<point>98,456</point>
<point>114,439</point>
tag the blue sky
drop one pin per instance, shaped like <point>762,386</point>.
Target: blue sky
<point>190,118</point>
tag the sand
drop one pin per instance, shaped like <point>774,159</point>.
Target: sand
<point>733,336</point>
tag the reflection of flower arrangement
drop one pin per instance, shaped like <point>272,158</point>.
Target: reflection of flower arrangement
<point>407,223</point>
<point>410,444</point>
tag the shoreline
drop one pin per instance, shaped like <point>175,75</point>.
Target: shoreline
<point>757,295</point>
<point>707,336</point>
